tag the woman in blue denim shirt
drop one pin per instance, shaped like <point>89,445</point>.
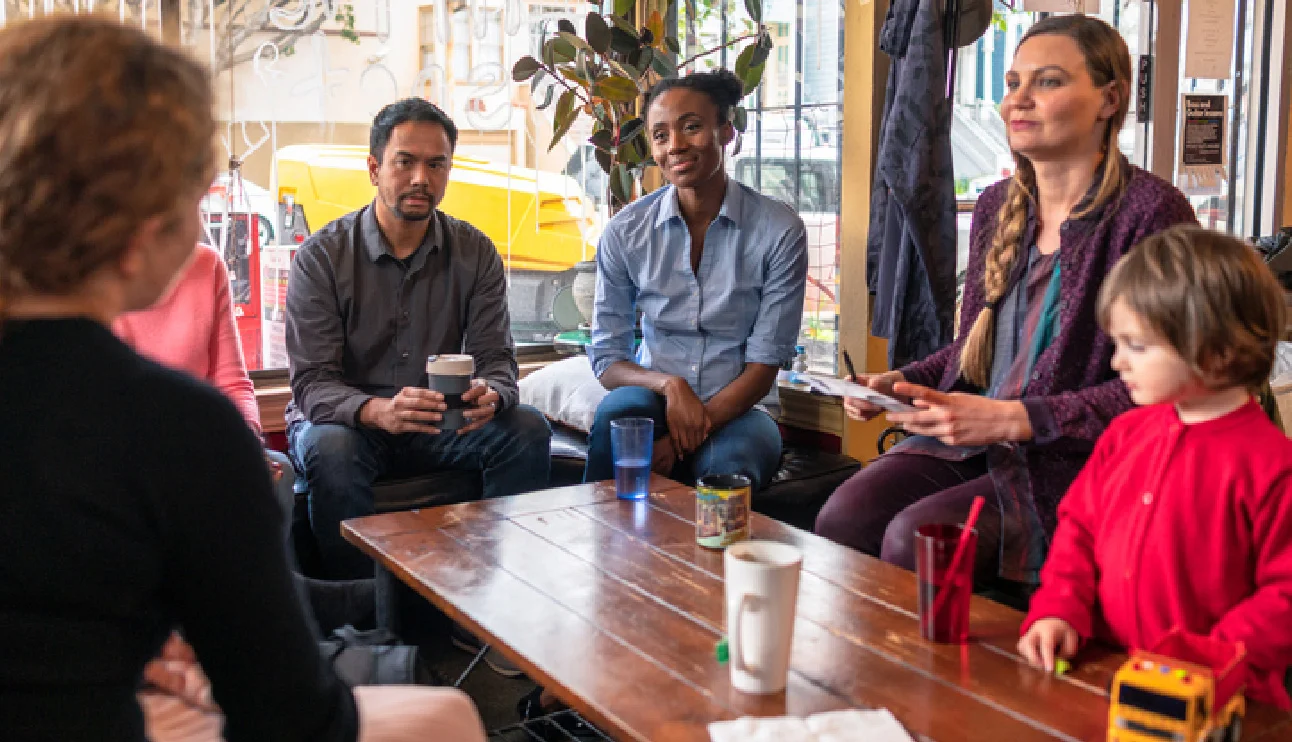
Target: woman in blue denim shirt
<point>718,272</point>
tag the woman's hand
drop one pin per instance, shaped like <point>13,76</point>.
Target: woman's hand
<point>663,456</point>
<point>959,419</point>
<point>1047,639</point>
<point>688,420</point>
<point>176,672</point>
<point>858,408</point>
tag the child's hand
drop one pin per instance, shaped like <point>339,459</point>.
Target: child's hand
<point>1046,639</point>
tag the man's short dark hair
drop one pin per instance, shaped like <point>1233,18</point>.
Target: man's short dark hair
<point>401,112</point>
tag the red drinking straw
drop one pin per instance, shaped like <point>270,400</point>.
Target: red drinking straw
<point>961,543</point>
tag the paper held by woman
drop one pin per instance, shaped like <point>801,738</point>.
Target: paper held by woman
<point>833,387</point>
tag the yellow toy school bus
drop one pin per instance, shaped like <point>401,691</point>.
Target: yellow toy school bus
<point>1188,689</point>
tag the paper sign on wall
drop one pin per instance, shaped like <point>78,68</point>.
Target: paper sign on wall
<point>1209,46</point>
<point>1202,167</point>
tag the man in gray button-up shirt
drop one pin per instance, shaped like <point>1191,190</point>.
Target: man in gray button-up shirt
<point>371,296</point>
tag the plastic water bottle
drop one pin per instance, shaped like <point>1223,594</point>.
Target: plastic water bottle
<point>800,365</point>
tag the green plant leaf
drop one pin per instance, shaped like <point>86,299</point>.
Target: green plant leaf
<point>537,79</point>
<point>525,68</point>
<point>656,26</point>
<point>602,139</point>
<point>629,129</point>
<point>558,50</point>
<point>602,115</point>
<point>624,8</point>
<point>617,88</point>
<point>566,103</point>
<point>663,65</point>
<point>623,24</point>
<point>755,10</point>
<point>564,117</point>
<point>573,40</point>
<point>740,118</point>
<point>621,183</point>
<point>565,25</point>
<point>603,159</point>
<point>629,72</point>
<point>641,58</point>
<point>597,31</point>
<point>752,78</point>
<point>672,44</point>
<point>547,100</point>
<point>744,61</point>
<point>624,42</point>
<point>629,155</point>
<point>571,73</point>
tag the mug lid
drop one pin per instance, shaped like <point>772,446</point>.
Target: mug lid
<point>454,365</point>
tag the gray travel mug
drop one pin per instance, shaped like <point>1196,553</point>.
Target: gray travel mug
<point>450,375</point>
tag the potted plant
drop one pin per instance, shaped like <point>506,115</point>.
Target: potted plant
<point>606,72</point>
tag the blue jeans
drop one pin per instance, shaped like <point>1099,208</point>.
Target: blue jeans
<point>339,465</point>
<point>749,445</point>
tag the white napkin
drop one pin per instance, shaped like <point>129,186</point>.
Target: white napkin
<point>849,725</point>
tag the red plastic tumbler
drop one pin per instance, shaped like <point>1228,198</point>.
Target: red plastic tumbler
<point>944,595</point>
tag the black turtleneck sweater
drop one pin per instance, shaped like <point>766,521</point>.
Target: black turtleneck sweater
<point>133,499</point>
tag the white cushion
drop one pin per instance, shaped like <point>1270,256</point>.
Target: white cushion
<point>566,391</point>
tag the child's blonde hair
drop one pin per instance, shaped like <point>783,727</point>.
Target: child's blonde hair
<point>1209,295</point>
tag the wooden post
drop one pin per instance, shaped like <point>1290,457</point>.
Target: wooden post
<point>865,79</point>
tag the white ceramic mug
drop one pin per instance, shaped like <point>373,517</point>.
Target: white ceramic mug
<point>762,588</point>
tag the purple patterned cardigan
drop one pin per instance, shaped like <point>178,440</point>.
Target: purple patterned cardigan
<point>1073,393</point>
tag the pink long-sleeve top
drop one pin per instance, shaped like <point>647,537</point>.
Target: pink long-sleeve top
<point>192,329</point>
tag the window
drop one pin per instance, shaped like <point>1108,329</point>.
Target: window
<point>426,36</point>
<point>981,153</point>
<point>476,41</point>
<point>979,146</point>
<point>790,149</point>
<point>296,106</point>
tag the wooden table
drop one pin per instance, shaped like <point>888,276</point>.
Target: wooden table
<point>613,607</point>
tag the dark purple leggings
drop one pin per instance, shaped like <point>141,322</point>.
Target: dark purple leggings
<point>878,509</point>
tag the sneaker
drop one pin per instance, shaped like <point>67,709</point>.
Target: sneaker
<point>467,642</point>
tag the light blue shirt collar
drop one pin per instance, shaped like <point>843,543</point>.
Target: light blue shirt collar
<point>732,205</point>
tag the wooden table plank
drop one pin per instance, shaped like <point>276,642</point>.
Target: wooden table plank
<point>638,619</point>
<point>557,648</point>
<point>679,627</point>
<point>994,625</point>
<point>1061,709</point>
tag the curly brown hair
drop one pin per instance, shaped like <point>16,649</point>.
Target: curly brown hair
<point>1209,295</point>
<point>1107,61</point>
<point>101,128</point>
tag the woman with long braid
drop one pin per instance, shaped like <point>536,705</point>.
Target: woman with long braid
<point>1011,409</point>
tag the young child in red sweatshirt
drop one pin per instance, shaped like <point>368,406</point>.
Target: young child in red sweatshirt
<point>1183,514</point>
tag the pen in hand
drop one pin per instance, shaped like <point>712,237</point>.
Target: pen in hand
<point>847,362</point>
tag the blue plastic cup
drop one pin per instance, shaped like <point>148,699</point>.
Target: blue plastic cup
<point>631,442</point>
